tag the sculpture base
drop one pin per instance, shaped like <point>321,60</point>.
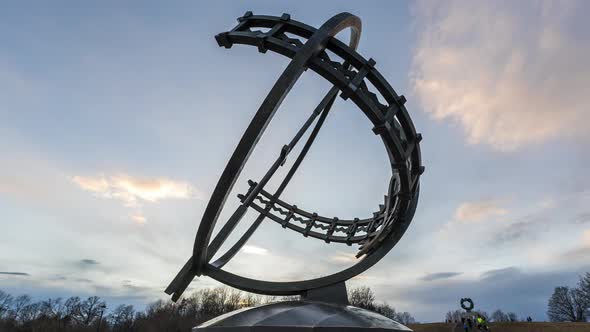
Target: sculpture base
<point>301,316</point>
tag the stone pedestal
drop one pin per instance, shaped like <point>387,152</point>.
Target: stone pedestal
<point>298,316</point>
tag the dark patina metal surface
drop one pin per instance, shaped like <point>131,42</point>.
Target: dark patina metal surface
<point>354,78</point>
<point>300,317</point>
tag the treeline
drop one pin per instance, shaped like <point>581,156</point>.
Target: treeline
<point>566,304</point>
<point>570,304</point>
<point>364,297</point>
<point>22,314</point>
<point>496,316</point>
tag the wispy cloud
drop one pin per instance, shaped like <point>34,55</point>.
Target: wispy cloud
<point>88,262</point>
<point>132,191</point>
<point>485,65</point>
<point>526,227</point>
<point>138,218</point>
<point>479,211</point>
<point>24,274</point>
<point>512,233</point>
<point>501,273</point>
<point>440,275</point>
<point>344,258</point>
<point>254,250</point>
<point>579,255</point>
<point>57,277</point>
<point>582,218</point>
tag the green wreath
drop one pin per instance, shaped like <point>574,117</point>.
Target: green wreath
<point>469,302</point>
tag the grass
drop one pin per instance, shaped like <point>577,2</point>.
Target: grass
<point>509,327</point>
<point>433,327</point>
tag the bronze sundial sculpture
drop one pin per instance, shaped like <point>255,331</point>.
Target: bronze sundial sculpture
<point>375,236</point>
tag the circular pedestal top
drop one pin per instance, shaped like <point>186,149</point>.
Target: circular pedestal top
<point>301,316</point>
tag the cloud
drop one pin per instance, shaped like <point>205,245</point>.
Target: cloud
<point>129,285</point>
<point>362,278</point>
<point>88,262</point>
<point>586,238</point>
<point>131,189</point>
<point>478,211</point>
<point>512,233</point>
<point>528,227</point>
<point>99,185</point>
<point>134,190</point>
<point>510,288</point>
<point>57,277</point>
<point>24,274</point>
<point>138,218</point>
<point>254,250</point>
<point>344,258</point>
<point>501,273</point>
<point>582,218</point>
<point>440,275</point>
<point>577,255</point>
<point>510,73</point>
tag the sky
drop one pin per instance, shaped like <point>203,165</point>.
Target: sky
<point>117,119</point>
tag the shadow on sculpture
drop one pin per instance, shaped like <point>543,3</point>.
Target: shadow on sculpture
<point>324,304</point>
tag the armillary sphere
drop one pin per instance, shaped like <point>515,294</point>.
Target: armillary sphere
<point>375,236</point>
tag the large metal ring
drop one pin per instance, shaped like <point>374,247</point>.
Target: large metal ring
<point>390,119</point>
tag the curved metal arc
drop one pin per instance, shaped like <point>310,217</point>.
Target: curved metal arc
<point>364,102</point>
<point>309,215</point>
<point>311,233</point>
<point>409,177</point>
<point>258,124</point>
<point>229,226</point>
<point>225,258</point>
<point>298,287</point>
<point>339,48</point>
<point>311,48</point>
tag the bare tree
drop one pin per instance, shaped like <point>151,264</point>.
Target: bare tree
<point>52,308</point>
<point>19,303</point>
<point>499,316</point>
<point>565,305</point>
<point>405,318</point>
<point>512,317</point>
<point>213,301</point>
<point>29,312</point>
<point>72,310</point>
<point>51,314</point>
<point>386,310</point>
<point>584,289</point>
<point>121,318</point>
<point>233,300</point>
<point>91,309</point>
<point>580,304</point>
<point>250,300</point>
<point>454,315</point>
<point>55,315</point>
<point>362,297</point>
<point>5,303</point>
